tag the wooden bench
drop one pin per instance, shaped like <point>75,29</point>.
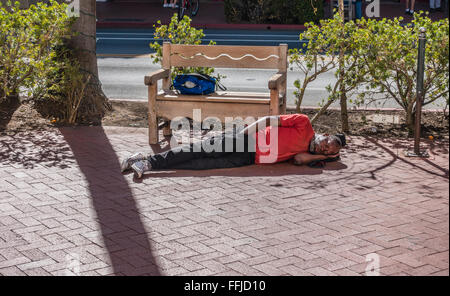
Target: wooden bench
<point>168,104</point>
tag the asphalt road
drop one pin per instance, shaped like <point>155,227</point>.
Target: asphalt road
<point>123,78</point>
<point>136,41</point>
<point>123,62</point>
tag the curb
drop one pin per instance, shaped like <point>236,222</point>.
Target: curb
<point>309,108</point>
<point>149,25</point>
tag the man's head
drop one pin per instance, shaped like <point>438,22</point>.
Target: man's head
<point>327,145</point>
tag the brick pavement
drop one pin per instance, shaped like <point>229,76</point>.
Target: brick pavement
<point>63,201</point>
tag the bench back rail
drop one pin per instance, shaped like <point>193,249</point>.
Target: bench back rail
<point>225,56</point>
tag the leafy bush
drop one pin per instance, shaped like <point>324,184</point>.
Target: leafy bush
<point>27,39</point>
<point>380,61</point>
<point>389,52</point>
<point>37,62</point>
<point>321,54</point>
<point>64,88</point>
<point>180,32</point>
<point>273,12</point>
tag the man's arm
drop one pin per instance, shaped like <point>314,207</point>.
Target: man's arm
<point>267,121</point>
<point>305,158</point>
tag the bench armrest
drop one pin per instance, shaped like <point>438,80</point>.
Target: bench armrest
<point>152,78</point>
<point>276,80</point>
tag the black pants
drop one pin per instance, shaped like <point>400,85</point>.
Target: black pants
<point>187,158</point>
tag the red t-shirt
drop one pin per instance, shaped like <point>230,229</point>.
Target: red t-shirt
<point>294,136</point>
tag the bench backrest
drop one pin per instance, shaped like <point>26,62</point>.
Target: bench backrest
<point>225,56</point>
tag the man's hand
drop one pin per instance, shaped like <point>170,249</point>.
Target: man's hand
<point>305,158</point>
<point>329,156</point>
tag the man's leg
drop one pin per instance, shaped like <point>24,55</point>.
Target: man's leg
<point>179,155</point>
<point>232,160</point>
<point>178,159</point>
<point>242,154</point>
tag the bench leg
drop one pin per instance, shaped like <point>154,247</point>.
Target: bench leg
<point>152,120</point>
<point>167,131</point>
<point>274,102</point>
<point>284,93</point>
<point>283,106</point>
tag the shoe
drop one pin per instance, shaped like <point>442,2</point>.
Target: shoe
<point>411,12</point>
<point>165,5</point>
<point>407,11</point>
<point>140,167</point>
<point>127,162</point>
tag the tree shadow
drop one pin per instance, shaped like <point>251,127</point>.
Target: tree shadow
<point>123,231</point>
<point>40,148</point>
<point>8,106</point>
<point>405,145</point>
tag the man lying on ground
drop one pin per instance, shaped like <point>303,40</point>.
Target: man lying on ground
<point>295,140</point>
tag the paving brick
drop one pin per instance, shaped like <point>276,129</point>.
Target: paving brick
<point>240,222</point>
<point>441,273</point>
<point>11,271</point>
<point>320,271</point>
<point>422,270</point>
<point>268,269</point>
<point>14,262</point>
<point>37,272</point>
<point>36,264</point>
<point>346,272</point>
<point>294,270</point>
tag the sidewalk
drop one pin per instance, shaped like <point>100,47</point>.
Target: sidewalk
<point>64,204</point>
<point>145,13</point>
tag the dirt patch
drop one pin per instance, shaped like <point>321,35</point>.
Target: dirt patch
<point>385,123</point>
<point>18,117</point>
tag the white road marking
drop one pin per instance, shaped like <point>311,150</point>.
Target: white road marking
<point>235,35</point>
<point>206,40</point>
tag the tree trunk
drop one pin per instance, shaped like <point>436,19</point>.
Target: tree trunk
<point>300,98</point>
<point>344,113</point>
<point>341,8</point>
<point>343,97</point>
<point>95,103</point>
<point>410,119</point>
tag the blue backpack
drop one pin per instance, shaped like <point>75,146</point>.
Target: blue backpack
<point>196,84</point>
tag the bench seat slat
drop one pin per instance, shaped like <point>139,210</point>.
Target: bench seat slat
<point>170,109</point>
<point>219,97</point>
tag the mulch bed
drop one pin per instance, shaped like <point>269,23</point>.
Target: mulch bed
<point>384,123</point>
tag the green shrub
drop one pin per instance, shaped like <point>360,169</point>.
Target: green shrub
<point>321,54</point>
<point>273,12</point>
<point>37,64</point>
<point>380,61</point>
<point>180,32</point>
<point>389,52</point>
<point>27,39</point>
<point>64,89</point>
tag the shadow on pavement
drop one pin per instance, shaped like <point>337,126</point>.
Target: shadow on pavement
<point>40,148</point>
<point>275,170</point>
<point>444,173</point>
<point>124,234</point>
